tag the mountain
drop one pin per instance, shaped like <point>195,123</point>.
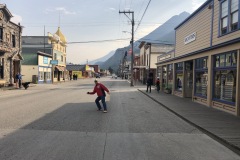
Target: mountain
<point>166,32</point>
<point>163,34</point>
<point>102,59</point>
<point>114,61</point>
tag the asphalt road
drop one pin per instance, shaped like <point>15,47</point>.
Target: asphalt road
<point>61,122</point>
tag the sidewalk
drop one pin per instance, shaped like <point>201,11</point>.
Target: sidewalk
<point>221,126</point>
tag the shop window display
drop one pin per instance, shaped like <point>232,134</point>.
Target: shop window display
<point>164,80</point>
<point>170,77</point>
<point>201,73</point>
<point>179,77</point>
<point>225,78</point>
<point>225,85</point>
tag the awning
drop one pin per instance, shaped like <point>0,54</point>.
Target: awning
<point>59,68</point>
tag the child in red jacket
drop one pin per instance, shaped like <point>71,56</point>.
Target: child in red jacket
<point>100,90</point>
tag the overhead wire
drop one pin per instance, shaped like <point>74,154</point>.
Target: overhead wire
<point>142,16</point>
<point>99,41</point>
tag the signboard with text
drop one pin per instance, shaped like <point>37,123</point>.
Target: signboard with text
<point>54,62</point>
<point>190,38</point>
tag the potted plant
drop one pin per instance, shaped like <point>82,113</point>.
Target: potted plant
<point>167,90</point>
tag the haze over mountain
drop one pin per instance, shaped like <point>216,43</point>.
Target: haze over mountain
<point>102,59</point>
<point>166,32</point>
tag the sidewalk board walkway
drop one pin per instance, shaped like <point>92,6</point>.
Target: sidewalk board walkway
<point>222,126</point>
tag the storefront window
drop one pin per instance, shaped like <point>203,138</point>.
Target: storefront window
<point>225,78</point>
<point>201,72</point>
<point>159,71</point>
<point>225,85</point>
<point>41,75</point>
<point>164,80</point>
<point>179,77</point>
<point>48,75</point>
<point>222,60</point>
<point>170,77</point>
<point>201,83</point>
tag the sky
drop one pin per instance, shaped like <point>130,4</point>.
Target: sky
<point>83,21</point>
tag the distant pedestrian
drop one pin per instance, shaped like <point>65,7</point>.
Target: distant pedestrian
<point>149,84</point>
<point>100,90</point>
<point>158,84</point>
<point>18,80</point>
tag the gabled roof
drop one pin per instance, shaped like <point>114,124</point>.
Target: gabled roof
<point>73,67</point>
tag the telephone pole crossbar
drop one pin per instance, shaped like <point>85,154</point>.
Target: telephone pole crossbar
<point>132,41</point>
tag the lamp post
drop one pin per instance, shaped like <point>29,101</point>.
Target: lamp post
<point>133,23</point>
<point>132,54</point>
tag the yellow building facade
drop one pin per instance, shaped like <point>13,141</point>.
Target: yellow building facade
<point>59,48</point>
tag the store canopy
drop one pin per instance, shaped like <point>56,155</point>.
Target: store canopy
<point>59,68</point>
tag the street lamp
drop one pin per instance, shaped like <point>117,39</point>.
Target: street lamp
<point>132,55</point>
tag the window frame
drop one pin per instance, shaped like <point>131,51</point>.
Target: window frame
<point>199,70</point>
<point>224,68</point>
<point>229,16</point>
<point>13,40</point>
<point>178,70</point>
<point>2,66</point>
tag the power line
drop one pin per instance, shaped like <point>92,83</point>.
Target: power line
<point>143,15</point>
<point>98,41</point>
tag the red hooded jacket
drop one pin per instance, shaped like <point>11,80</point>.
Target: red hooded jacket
<point>99,89</point>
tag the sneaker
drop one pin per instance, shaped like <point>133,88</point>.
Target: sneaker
<point>105,111</point>
<point>99,110</point>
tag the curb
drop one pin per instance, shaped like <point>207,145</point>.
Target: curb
<point>230,146</point>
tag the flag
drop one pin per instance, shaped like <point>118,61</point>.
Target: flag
<point>130,51</point>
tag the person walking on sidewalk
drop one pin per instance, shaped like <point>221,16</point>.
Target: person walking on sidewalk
<point>158,84</point>
<point>149,84</point>
<point>18,80</point>
<point>100,90</point>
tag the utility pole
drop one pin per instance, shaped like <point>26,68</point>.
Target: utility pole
<point>132,41</point>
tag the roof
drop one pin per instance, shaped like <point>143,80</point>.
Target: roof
<point>61,35</point>
<point>34,40</point>
<point>4,6</point>
<point>44,54</point>
<point>194,13</point>
<point>73,67</point>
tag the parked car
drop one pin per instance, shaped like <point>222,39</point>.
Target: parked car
<point>98,76</point>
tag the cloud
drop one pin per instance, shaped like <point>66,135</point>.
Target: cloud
<point>16,18</point>
<point>59,9</point>
<point>64,10</point>
<point>112,9</point>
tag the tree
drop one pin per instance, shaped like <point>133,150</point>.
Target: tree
<point>110,70</point>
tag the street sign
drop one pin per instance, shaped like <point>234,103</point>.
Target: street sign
<point>54,62</point>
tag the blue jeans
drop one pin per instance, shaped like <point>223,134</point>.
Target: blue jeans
<point>101,98</point>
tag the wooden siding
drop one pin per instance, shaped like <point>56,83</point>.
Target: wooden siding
<point>201,24</point>
<point>142,56</point>
<point>232,47</point>
<point>154,60</point>
<point>225,38</point>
